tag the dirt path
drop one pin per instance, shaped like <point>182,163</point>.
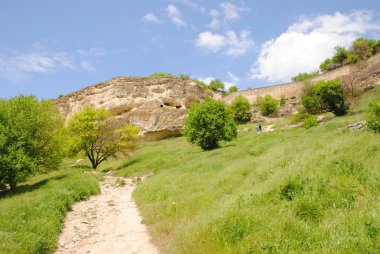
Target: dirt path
<point>106,223</point>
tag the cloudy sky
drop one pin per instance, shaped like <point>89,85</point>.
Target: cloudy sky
<point>49,48</point>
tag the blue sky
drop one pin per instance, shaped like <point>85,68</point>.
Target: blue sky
<point>49,48</point>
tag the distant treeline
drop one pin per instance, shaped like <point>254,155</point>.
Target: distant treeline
<point>361,49</point>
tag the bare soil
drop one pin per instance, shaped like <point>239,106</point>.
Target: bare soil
<point>106,223</point>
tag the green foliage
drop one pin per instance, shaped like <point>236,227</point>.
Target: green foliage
<point>324,66</point>
<point>310,121</point>
<point>240,107</point>
<point>209,123</point>
<point>340,55</point>
<point>161,74</point>
<point>233,89</point>
<point>373,117</point>
<point>325,96</point>
<point>305,76</point>
<point>201,83</point>
<point>268,105</point>
<point>31,217</point>
<point>94,133</point>
<point>282,101</point>
<point>216,85</point>
<point>297,118</point>
<point>30,138</point>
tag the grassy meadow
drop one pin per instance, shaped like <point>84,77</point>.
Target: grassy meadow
<point>31,218</point>
<point>289,191</point>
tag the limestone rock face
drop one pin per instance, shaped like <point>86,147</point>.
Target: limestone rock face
<point>157,105</point>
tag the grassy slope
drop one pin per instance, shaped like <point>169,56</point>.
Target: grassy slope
<point>32,217</point>
<point>289,191</point>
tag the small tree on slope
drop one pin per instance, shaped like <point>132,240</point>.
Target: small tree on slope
<point>94,133</point>
<point>208,123</point>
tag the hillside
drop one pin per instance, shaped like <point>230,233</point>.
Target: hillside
<point>288,191</point>
<point>158,105</point>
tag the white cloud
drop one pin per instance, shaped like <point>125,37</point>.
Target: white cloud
<point>193,5</point>
<point>19,66</point>
<point>214,24</point>
<point>232,44</point>
<point>151,18</point>
<point>238,45</point>
<point>308,42</point>
<point>210,41</point>
<point>175,15</point>
<point>207,80</point>
<point>228,84</point>
<point>231,11</point>
<point>233,77</point>
<point>87,66</point>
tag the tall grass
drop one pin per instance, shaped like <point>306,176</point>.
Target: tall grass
<point>31,218</point>
<point>289,191</point>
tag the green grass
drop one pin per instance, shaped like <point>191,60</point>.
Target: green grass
<point>289,191</point>
<point>31,218</point>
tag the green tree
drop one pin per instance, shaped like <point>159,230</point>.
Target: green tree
<point>373,117</point>
<point>209,123</point>
<point>324,66</point>
<point>96,134</point>
<point>325,96</point>
<point>216,85</point>
<point>233,89</point>
<point>268,105</point>
<point>240,107</point>
<point>340,56</point>
<point>30,138</point>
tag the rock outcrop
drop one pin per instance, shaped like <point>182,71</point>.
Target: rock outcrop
<point>157,105</point>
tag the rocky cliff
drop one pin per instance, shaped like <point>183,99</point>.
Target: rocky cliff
<point>157,105</point>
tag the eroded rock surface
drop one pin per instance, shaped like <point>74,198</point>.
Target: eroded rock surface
<point>157,105</point>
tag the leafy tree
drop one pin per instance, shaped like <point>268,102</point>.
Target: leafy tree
<point>268,105</point>
<point>373,117</point>
<point>97,135</point>
<point>325,96</point>
<point>233,89</point>
<point>240,107</point>
<point>209,123</point>
<point>305,76</point>
<point>361,49</point>
<point>217,85</point>
<point>340,55</point>
<point>324,66</point>
<point>30,138</point>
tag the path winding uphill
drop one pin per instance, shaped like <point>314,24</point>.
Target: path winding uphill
<point>106,223</point>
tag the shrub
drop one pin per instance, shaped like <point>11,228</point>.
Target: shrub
<point>340,55</point>
<point>216,85</point>
<point>282,101</point>
<point>310,121</point>
<point>268,106</point>
<point>208,123</point>
<point>30,138</point>
<point>161,74</point>
<point>325,96</point>
<point>324,66</point>
<point>240,109</point>
<point>373,117</point>
<point>233,89</point>
<point>297,118</point>
<point>305,76</point>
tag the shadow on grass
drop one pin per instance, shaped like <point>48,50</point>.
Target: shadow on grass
<point>29,187</point>
<point>128,163</point>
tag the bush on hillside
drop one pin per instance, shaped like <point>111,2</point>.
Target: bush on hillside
<point>30,138</point>
<point>373,117</point>
<point>161,74</point>
<point>209,123</point>
<point>310,121</point>
<point>268,105</point>
<point>240,107</point>
<point>282,101</point>
<point>233,89</point>
<point>305,76</point>
<point>325,96</point>
<point>216,85</point>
